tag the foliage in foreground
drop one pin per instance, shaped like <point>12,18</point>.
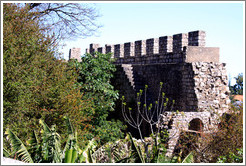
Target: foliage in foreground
<point>46,148</point>
<point>228,142</point>
<point>232,158</point>
<point>35,84</point>
<point>130,150</point>
<point>94,74</point>
<point>222,147</point>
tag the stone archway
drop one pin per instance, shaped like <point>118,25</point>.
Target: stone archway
<point>189,124</point>
<point>189,138</point>
<point>196,124</point>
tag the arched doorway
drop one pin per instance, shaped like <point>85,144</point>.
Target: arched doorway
<point>189,139</point>
<point>196,125</point>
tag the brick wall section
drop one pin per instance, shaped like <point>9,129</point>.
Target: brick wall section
<point>165,44</point>
<point>190,54</point>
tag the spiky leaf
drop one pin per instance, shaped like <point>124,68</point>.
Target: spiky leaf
<point>51,146</point>
<point>68,156</point>
<point>5,153</point>
<point>87,152</point>
<point>136,152</point>
<point>69,125</point>
<point>18,147</point>
<point>189,158</point>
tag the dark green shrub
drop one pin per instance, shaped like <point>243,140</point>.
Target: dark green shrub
<point>94,74</point>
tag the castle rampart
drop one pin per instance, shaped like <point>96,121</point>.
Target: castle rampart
<point>183,47</point>
<point>181,59</point>
<point>161,45</point>
<point>192,75</point>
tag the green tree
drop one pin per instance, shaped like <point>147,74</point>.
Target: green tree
<point>237,89</point>
<point>94,74</point>
<point>35,84</point>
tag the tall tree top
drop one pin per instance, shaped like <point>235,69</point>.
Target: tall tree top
<point>66,20</point>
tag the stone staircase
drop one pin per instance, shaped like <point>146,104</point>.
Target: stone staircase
<point>127,68</point>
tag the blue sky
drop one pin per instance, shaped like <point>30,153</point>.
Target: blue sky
<point>128,22</point>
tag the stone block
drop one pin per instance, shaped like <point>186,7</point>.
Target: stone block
<point>196,38</point>
<point>129,49</point>
<point>179,42</point>
<point>140,48</point>
<point>152,46</point>
<point>202,54</point>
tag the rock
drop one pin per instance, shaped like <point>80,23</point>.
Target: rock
<point>216,101</point>
<point>223,96</point>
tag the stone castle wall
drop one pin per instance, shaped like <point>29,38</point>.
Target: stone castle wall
<point>196,86</point>
<point>167,49</point>
<point>191,73</point>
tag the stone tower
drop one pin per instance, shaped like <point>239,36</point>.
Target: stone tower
<point>75,53</point>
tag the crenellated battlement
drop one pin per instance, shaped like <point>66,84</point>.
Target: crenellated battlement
<point>183,47</point>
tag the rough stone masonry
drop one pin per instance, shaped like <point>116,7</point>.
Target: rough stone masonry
<point>192,75</point>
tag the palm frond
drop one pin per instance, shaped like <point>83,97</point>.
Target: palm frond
<point>18,147</point>
<point>34,148</point>
<point>71,156</point>
<point>5,153</point>
<point>71,149</point>
<point>72,137</point>
<point>71,143</point>
<point>51,146</point>
<point>45,126</point>
<point>87,152</point>
<point>33,141</point>
<point>69,125</point>
<point>189,158</point>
